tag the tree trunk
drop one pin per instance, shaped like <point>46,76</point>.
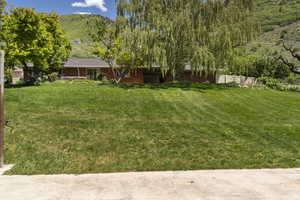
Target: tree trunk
<point>295,69</point>
<point>2,122</point>
<point>291,66</point>
<point>26,71</point>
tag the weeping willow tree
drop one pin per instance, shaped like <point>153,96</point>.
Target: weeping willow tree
<point>173,34</point>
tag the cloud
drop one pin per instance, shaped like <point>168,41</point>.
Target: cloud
<point>82,13</point>
<point>90,3</point>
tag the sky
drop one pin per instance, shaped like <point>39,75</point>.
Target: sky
<point>101,7</point>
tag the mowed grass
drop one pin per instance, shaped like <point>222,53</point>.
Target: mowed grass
<point>89,128</point>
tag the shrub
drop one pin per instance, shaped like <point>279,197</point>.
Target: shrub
<point>41,77</point>
<point>100,76</point>
<point>258,63</point>
<point>268,66</point>
<point>270,82</point>
<point>53,77</point>
<point>8,78</point>
<point>293,79</point>
<point>276,84</point>
<point>33,81</point>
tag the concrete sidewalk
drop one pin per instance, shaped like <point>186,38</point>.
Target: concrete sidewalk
<point>278,184</point>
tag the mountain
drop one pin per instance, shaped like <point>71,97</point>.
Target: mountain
<point>77,32</point>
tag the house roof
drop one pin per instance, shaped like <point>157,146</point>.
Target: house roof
<point>98,63</point>
<point>85,63</point>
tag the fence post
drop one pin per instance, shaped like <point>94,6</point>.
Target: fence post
<point>2,123</point>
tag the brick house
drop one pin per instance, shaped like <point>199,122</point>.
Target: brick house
<point>90,68</point>
<point>93,68</point>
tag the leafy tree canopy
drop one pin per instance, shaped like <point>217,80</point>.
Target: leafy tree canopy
<point>257,62</point>
<point>35,38</point>
<point>176,33</point>
<point>109,45</point>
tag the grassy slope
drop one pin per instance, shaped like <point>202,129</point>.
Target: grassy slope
<point>76,29</point>
<point>73,128</point>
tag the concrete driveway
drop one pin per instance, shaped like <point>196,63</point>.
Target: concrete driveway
<point>278,184</point>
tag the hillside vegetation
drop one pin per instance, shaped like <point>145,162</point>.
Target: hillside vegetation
<point>271,39</point>
<point>77,31</point>
<point>277,13</point>
<point>273,15</point>
<point>277,17</point>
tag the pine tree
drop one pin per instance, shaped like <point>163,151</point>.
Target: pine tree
<point>179,33</point>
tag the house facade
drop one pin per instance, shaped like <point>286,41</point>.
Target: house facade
<point>17,75</point>
<point>97,69</point>
<point>91,68</point>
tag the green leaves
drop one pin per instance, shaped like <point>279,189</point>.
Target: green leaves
<point>202,60</point>
<point>35,38</point>
<point>116,48</point>
<point>176,33</point>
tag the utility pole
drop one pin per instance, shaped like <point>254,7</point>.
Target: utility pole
<point>2,124</point>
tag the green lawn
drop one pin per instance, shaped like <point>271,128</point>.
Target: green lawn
<point>89,128</point>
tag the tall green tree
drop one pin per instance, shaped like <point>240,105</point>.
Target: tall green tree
<point>110,47</point>
<point>35,38</point>
<point>175,33</point>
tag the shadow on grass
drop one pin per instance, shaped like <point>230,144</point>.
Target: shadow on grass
<point>19,86</point>
<point>190,86</point>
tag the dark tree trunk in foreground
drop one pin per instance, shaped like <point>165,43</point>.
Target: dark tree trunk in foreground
<point>294,54</point>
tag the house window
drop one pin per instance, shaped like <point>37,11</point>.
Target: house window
<point>152,77</point>
<point>92,74</point>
